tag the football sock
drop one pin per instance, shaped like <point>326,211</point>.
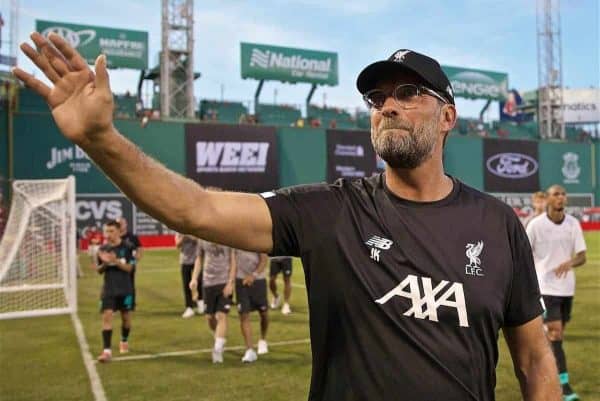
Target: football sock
<point>125,333</point>
<point>106,338</point>
<point>219,343</point>
<point>559,355</point>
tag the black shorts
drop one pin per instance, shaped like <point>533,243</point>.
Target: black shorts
<point>557,308</point>
<point>281,265</point>
<point>214,299</point>
<point>118,302</point>
<point>251,298</point>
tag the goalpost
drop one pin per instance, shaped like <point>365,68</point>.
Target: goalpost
<point>38,253</point>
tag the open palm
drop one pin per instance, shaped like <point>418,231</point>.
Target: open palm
<point>81,101</point>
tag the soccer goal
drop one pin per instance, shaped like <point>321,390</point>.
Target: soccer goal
<point>38,264</point>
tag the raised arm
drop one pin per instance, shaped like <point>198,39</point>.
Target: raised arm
<point>533,361</point>
<point>82,107</point>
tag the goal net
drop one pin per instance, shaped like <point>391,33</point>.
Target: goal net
<point>38,251</point>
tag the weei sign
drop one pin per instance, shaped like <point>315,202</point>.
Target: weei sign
<point>477,84</point>
<point>350,155</point>
<point>510,166</point>
<point>288,64</point>
<point>234,157</point>
<point>123,48</point>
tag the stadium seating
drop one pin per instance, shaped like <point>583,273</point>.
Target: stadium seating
<point>363,120</point>
<point>125,106</point>
<point>511,130</point>
<point>331,117</point>
<point>225,112</point>
<point>275,114</point>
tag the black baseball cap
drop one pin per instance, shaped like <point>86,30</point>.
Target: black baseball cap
<point>404,59</point>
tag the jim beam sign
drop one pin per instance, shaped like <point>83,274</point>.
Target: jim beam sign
<point>73,156</point>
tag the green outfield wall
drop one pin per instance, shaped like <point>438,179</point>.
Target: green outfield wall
<point>41,152</point>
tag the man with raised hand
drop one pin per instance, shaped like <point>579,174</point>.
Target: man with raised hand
<point>410,273</point>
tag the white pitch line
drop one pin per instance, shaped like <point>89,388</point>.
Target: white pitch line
<point>200,351</point>
<point>95,382</point>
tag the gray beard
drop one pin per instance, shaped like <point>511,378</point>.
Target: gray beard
<point>406,151</point>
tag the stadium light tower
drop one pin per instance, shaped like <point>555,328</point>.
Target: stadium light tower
<point>550,88</point>
<point>177,59</point>
<point>14,28</point>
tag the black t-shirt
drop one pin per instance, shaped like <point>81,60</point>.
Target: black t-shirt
<point>118,282</point>
<point>406,298</point>
<point>132,241</point>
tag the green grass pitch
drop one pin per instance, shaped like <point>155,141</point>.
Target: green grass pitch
<point>41,359</point>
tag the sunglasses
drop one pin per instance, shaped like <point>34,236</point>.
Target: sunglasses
<point>404,94</point>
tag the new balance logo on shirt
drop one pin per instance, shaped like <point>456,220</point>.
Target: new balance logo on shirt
<point>379,242</point>
<point>425,305</point>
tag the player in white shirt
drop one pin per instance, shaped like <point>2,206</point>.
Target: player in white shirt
<point>558,246</point>
<point>538,206</point>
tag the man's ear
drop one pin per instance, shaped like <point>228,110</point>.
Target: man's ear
<point>448,118</point>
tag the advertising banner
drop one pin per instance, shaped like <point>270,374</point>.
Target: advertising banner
<point>123,48</point>
<point>521,203</point>
<point>581,105</point>
<point>510,166</point>
<point>93,210</point>
<point>350,154</point>
<point>233,157</point>
<point>144,224</point>
<point>288,64</point>
<point>566,164</point>
<point>477,84</point>
<point>45,153</point>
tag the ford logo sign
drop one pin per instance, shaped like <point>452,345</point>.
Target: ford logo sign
<point>512,165</point>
